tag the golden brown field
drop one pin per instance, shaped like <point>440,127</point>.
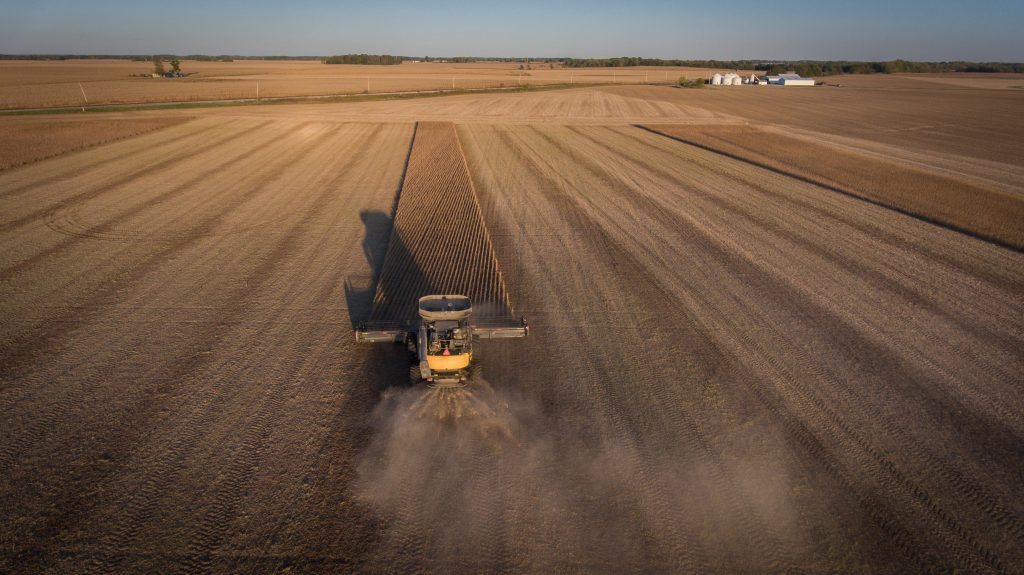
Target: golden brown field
<point>41,84</point>
<point>27,139</point>
<point>731,367</point>
<point>973,209</point>
<point>895,116</point>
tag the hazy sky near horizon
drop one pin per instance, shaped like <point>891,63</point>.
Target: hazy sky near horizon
<point>986,30</point>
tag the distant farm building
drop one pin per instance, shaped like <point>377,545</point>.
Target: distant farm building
<point>732,79</point>
<point>726,80</point>
<point>789,80</point>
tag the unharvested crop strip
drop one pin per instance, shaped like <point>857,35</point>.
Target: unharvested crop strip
<point>439,241</point>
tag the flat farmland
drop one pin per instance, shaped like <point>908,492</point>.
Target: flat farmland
<point>43,84</point>
<point>28,139</point>
<point>902,116</point>
<point>730,369</point>
<point>994,214</point>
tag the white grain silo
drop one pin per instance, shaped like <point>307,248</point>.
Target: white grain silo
<point>716,80</point>
<point>736,80</point>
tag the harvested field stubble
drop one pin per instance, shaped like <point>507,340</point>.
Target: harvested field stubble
<point>991,214</point>
<point>729,369</point>
<point>903,113</point>
<point>806,352</point>
<point>200,368</point>
<point>25,140</point>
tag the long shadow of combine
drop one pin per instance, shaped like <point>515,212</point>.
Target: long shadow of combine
<point>386,297</point>
<point>361,289</point>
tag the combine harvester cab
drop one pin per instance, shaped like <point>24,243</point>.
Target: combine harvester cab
<point>442,338</point>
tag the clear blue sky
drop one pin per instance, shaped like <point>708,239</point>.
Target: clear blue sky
<point>781,29</point>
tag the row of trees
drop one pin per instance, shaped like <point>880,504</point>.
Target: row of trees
<point>374,59</point>
<point>802,67</point>
<point>805,67</point>
<point>625,61</point>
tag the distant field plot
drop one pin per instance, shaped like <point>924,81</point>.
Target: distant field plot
<point>896,114</point>
<point>962,205</point>
<point>23,140</point>
<point>40,84</point>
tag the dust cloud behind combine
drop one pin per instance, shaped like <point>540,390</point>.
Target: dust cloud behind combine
<point>478,479</point>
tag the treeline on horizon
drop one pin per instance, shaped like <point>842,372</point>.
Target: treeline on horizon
<point>802,67</point>
<point>369,59</point>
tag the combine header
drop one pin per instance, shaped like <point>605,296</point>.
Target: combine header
<point>442,338</point>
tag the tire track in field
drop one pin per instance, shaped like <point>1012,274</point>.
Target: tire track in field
<point>31,348</point>
<point>112,185</point>
<point>51,329</point>
<point>631,424</point>
<point>656,297</point>
<point>899,248</point>
<point>759,218</point>
<point>887,471</point>
<point>657,519</point>
<point>840,428</point>
<point>655,211</point>
<point>168,464</point>
<point>236,480</point>
<point>855,269</point>
<point>965,488</point>
<point>112,223</point>
<point>916,296</point>
<point>70,504</point>
<point>989,349</point>
<point>79,171</point>
<point>884,237</point>
<point>1010,243</point>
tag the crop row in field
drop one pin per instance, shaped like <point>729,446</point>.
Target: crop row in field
<point>439,243</point>
<point>987,213</point>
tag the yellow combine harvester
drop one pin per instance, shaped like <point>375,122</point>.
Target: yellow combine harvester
<point>442,338</point>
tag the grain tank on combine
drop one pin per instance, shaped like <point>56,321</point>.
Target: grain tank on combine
<point>442,337</point>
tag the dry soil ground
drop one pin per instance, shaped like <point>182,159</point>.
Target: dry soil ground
<point>729,369</point>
